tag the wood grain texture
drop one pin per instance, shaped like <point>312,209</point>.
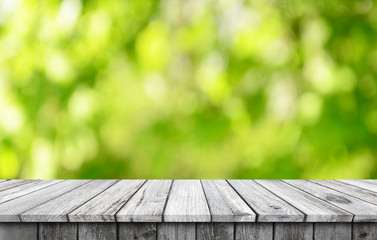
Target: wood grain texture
<point>23,189</point>
<point>362,211</point>
<point>333,231</point>
<point>357,192</point>
<point>217,231</point>
<point>147,204</point>
<point>364,231</point>
<point>14,183</point>
<point>104,206</point>
<point>17,231</point>
<point>316,210</point>
<point>187,203</point>
<point>365,184</point>
<point>254,231</point>
<point>93,231</point>
<point>269,207</point>
<point>57,210</point>
<point>57,231</point>
<point>225,204</point>
<point>189,200</point>
<point>10,211</point>
<point>176,231</point>
<point>137,231</point>
<point>293,231</point>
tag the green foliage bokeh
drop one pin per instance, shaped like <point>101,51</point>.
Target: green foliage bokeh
<point>188,89</point>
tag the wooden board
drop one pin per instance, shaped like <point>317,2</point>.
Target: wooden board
<point>316,210</point>
<point>57,210</point>
<point>364,231</point>
<point>10,211</point>
<point>16,231</point>
<point>91,231</point>
<point>254,231</point>
<point>225,204</point>
<point>57,231</point>
<point>187,203</point>
<point>293,231</point>
<point>176,231</point>
<point>147,204</point>
<point>269,207</point>
<point>14,183</point>
<point>333,231</point>
<point>218,231</point>
<point>23,189</point>
<point>137,231</point>
<point>365,184</point>
<point>104,206</point>
<point>362,211</point>
<point>189,231</point>
<point>351,190</point>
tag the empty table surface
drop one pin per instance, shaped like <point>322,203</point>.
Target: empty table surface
<point>188,200</point>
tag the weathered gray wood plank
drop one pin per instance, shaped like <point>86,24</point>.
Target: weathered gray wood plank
<point>187,203</point>
<point>362,211</point>
<point>189,200</point>
<point>57,210</point>
<point>254,231</point>
<point>176,231</point>
<point>293,231</point>
<point>269,207</point>
<point>218,231</point>
<point>364,231</point>
<point>14,183</point>
<point>94,231</point>
<point>137,231</point>
<point>366,184</point>
<point>104,206</point>
<point>57,231</point>
<point>18,231</point>
<point>357,192</point>
<point>333,231</point>
<point>225,204</point>
<point>10,211</point>
<point>17,191</point>
<point>316,210</point>
<point>147,204</point>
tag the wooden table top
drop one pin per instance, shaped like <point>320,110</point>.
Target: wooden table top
<point>188,200</point>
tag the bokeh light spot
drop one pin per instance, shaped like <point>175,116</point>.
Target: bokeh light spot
<point>310,107</point>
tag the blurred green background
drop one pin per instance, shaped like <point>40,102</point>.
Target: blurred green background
<point>188,89</point>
